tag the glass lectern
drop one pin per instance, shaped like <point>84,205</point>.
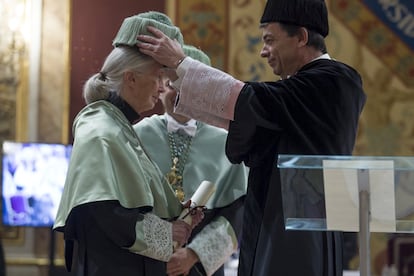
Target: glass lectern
<point>348,193</point>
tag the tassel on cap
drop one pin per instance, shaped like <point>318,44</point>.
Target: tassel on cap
<point>137,25</point>
<point>311,14</point>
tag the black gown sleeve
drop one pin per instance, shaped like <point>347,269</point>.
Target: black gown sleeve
<point>248,139</point>
<point>102,224</point>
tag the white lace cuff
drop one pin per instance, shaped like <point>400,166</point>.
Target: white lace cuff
<point>214,244</point>
<point>153,238</point>
<point>205,93</point>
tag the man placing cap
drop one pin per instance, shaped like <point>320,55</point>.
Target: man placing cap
<point>312,110</point>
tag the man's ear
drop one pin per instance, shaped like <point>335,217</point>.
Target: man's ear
<point>303,36</point>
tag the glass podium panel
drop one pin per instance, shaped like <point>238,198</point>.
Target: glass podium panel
<point>322,192</point>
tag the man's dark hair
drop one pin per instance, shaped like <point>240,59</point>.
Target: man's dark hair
<point>315,39</point>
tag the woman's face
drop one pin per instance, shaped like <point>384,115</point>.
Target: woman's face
<point>147,87</point>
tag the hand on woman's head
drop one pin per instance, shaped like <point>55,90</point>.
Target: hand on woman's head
<point>160,47</point>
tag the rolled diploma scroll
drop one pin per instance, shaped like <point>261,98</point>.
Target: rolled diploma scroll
<point>199,198</point>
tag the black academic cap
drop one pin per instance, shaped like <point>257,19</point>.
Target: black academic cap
<point>311,14</point>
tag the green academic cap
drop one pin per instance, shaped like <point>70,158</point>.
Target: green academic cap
<point>197,54</point>
<point>137,25</point>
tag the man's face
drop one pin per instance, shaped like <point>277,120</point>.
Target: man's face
<point>169,96</point>
<point>280,50</point>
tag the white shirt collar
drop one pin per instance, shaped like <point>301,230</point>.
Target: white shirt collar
<point>189,127</point>
<point>324,56</point>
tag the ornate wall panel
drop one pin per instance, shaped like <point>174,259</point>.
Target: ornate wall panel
<point>373,22</point>
<point>204,24</point>
<point>228,31</point>
<point>245,41</point>
<point>385,59</point>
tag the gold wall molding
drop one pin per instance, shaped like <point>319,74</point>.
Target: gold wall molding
<point>34,261</point>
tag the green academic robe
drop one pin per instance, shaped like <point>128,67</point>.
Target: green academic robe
<point>217,237</point>
<point>115,202</point>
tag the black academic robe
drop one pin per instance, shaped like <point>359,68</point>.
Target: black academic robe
<point>96,237</point>
<point>96,249</point>
<point>314,112</point>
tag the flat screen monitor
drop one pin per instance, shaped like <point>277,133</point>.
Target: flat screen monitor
<point>33,176</point>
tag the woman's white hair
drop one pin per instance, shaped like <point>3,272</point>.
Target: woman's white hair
<point>110,78</point>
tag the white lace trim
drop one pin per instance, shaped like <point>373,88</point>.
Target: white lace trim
<point>214,245</point>
<point>207,94</point>
<point>157,237</point>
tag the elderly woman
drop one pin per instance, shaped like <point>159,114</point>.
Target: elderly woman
<point>116,205</point>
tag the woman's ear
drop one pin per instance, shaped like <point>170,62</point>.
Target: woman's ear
<point>129,77</point>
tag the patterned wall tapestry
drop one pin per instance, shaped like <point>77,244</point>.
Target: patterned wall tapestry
<point>386,27</point>
<point>228,31</point>
<point>381,47</point>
